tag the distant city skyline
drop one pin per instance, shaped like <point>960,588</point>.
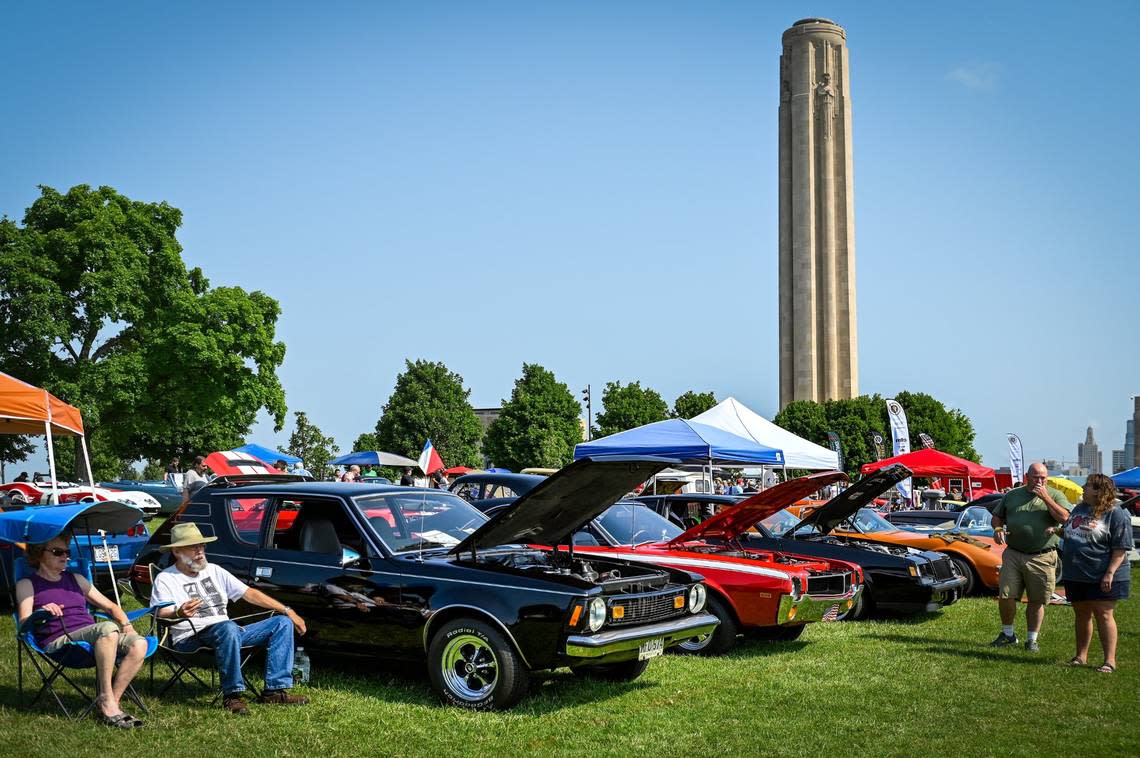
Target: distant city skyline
<point>594,188</point>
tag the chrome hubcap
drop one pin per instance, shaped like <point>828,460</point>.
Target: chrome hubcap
<point>699,642</point>
<point>470,668</point>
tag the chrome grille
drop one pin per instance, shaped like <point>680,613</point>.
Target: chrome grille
<point>647,607</point>
<point>943,569</point>
<point>829,584</point>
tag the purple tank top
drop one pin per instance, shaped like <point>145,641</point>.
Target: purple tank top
<point>67,595</point>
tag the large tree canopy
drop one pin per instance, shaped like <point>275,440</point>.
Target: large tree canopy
<point>690,404</point>
<point>309,443</point>
<point>430,402</point>
<point>857,419</point>
<point>538,426</point>
<point>97,306</point>
<point>629,406</point>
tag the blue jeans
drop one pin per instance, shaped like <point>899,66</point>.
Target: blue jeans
<point>227,639</point>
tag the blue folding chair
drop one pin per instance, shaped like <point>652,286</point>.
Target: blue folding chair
<point>55,666</point>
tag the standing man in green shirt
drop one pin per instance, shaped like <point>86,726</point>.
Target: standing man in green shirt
<point>1024,522</point>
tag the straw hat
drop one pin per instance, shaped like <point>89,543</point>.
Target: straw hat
<point>186,535</point>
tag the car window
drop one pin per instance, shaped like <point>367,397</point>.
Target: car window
<point>316,526</point>
<point>247,514</point>
<point>779,523</point>
<point>469,491</point>
<point>500,490</point>
<point>419,520</point>
<point>867,521</point>
<point>630,524</point>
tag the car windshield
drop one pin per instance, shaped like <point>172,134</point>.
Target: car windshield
<point>419,520</point>
<point>631,524</point>
<point>779,523</point>
<point>867,521</point>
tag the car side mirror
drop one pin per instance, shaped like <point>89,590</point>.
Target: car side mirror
<point>348,556</point>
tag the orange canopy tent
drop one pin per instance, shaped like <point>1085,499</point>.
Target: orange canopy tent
<point>25,409</point>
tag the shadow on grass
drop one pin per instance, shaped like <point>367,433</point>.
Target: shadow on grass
<point>961,650</point>
<point>406,682</point>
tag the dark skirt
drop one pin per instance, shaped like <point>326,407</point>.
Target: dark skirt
<point>1079,592</point>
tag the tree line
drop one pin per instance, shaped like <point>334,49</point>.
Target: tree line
<point>98,307</point>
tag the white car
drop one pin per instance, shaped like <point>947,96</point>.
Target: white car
<point>38,492</point>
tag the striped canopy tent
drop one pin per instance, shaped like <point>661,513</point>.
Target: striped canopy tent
<point>27,409</point>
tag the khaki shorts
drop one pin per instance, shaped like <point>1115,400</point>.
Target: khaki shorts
<point>1023,573</point>
<point>93,633</point>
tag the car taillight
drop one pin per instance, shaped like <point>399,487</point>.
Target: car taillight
<point>138,530</point>
<point>140,573</point>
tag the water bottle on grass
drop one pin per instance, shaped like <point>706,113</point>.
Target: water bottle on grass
<point>300,666</point>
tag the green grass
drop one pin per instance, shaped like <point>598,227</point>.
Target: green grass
<point>926,686</point>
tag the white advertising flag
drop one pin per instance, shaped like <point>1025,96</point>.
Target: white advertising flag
<point>900,440</point>
<point>1016,458</point>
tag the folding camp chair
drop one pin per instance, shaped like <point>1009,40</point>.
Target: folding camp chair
<point>180,663</point>
<point>60,664</point>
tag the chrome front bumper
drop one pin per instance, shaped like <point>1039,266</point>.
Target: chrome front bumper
<point>614,641</point>
<point>814,608</point>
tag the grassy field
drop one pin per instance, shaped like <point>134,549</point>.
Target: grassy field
<point>923,686</point>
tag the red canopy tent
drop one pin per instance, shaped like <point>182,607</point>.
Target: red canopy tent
<point>932,463</point>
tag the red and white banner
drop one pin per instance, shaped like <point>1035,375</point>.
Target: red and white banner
<point>429,461</point>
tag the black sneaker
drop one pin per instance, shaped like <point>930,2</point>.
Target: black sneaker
<point>1004,640</point>
<point>1032,646</point>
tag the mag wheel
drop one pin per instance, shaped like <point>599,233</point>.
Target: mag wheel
<point>473,666</point>
<point>721,639</point>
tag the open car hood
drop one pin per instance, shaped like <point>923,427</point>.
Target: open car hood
<point>737,519</point>
<point>566,500</point>
<point>832,513</point>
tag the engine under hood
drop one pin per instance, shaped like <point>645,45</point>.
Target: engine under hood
<point>568,499</point>
<point>735,520</point>
<point>832,513</point>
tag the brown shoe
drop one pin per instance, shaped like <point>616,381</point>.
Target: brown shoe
<point>281,697</point>
<point>235,704</point>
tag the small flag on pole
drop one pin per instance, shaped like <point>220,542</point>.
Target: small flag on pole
<point>429,461</point>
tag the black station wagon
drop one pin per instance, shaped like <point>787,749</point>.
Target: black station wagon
<point>403,572</point>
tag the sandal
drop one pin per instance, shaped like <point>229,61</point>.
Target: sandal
<point>135,721</point>
<point>121,721</point>
<point>1075,662</point>
<point>1107,668</point>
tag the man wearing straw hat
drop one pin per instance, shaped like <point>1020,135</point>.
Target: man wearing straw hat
<point>200,593</point>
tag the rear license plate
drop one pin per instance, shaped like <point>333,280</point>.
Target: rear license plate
<point>651,649</point>
<point>101,554</point>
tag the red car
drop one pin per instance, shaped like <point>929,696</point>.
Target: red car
<point>769,593</point>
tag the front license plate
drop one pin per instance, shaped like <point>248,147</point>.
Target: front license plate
<point>102,553</point>
<point>651,649</point>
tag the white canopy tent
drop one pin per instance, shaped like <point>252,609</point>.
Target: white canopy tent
<point>731,415</point>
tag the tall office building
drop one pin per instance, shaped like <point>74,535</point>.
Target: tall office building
<point>1135,425</point>
<point>1130,443</point>
<point>1088,454</point>
<point>818,340</point>
<point>1118,461</point>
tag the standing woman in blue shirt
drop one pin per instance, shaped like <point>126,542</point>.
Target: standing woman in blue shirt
<point>1098,536</point>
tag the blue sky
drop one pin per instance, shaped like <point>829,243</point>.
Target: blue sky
<point>592,186</point>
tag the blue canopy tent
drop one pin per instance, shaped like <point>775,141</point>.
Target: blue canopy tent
<point>266,454</point>
<point>1129,479</point>
<point>372,458</point>
<point>688,441</point>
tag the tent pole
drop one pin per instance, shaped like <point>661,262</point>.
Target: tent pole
<point>51,464</point>
<point>87,461</point>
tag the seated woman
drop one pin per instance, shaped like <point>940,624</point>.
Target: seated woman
<point>65,596</point>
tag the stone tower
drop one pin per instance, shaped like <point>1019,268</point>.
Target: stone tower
<point>818,342</point>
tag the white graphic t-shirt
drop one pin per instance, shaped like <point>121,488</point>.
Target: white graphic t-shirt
<point>213,585</point>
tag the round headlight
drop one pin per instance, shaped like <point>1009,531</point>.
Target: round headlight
<point>697,595</point>
<point>597,614</point>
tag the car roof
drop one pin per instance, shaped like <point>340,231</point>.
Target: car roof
<point>707,497</point>
<point>345,489</point>
<point>499,478</point>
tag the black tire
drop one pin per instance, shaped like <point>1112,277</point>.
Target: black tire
<point>967,571</point>
<point>720,641</point>
<point>779,633</point>
<point>494,677</point>
<point>626,671</point>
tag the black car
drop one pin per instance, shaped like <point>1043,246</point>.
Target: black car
<point>488,490</point>
<point>403,572</point>
<point>896,578</point>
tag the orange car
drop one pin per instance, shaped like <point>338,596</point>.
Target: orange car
<point>978,558</point>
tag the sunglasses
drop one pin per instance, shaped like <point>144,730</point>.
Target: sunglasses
<point>59,552</point>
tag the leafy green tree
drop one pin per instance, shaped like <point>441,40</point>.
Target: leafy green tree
<point>430,402</point>
<point>14,448</point>
<point>154,469</point>
<point>309,443</point>
<point>627,407</point>
<point>539,425</point>
<point>366,441</point>
<point>692,404</point>
<point>97,306</point>
<point>951,430</point>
